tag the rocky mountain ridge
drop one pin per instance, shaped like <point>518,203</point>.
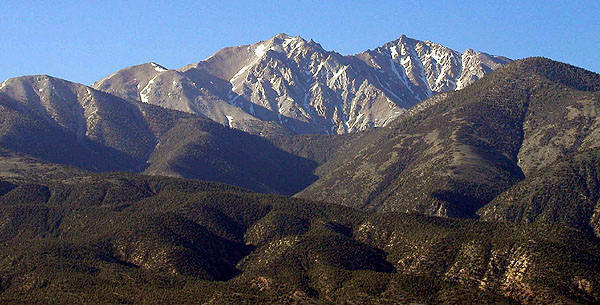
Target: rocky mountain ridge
<point>518,149</point>
<point>455,152</point>
<point>57,121</point>
<point>303,87</point>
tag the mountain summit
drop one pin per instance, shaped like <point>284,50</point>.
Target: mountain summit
<point>303,87</point>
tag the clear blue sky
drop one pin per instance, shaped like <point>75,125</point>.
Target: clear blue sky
<point>84,41</point>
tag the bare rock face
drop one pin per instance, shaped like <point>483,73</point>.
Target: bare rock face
<point>426,68</point>
<point>299,85</point>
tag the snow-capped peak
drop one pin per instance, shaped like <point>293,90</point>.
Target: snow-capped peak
<point>298,84</point>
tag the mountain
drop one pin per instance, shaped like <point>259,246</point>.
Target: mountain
<point>124,238</point>
<point>57,121</point>
<point>68,123</point>
<point>565,192</point>
<point>297,84</point>
<point>518,148</point>
<point>16,168</point>
<point>455,152</point>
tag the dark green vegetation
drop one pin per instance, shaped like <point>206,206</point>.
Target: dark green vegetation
<point>456,152</point>
<point>121,238</point>
<point>566,192</point>
<point>518,148</point>
<point>18,168</point>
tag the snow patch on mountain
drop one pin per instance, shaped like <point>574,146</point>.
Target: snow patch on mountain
<point>229,120</point>
<point>260,50</point>
<point>145,93</point>
<point>158,68</point>
<point>299,85</point>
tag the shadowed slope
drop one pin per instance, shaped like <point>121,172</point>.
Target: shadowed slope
<point>456,152</point>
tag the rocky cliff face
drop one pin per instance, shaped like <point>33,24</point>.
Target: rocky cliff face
<point>299,85</point>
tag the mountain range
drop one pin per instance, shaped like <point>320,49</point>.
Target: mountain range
<point>63,122</point>
<point>406,174</point>
<point>303,87</point>
<point>454,153</point>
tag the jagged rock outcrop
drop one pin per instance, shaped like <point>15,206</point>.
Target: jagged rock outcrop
<point>299,85</point>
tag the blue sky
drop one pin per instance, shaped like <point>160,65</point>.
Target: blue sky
<point>84,41</point>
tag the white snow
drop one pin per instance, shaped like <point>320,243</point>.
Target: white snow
<point>260,50</point>
<point>439,60</point>
<point>405,61</point>
<point>158,68</point>
<point>89,117</point>
<point>3,84</point>
<point>458,84</point>
<point>436,57</point>
<point>401,77</point>
<point>241,72</point>
<point>277,48</point>
<point>319,67</point>
<point>146,90</point>
<point>394,51</point>
<point>143,97</point>
<point>356,120</point>
<point>40,90</point>
<point>337,74</point>
<point>424,78</point>
<point>289,40</point>
<point>393,66</point>
<point>229,120</point>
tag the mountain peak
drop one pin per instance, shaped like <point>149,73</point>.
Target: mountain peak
<point>36,78</point>
<point>282,36</point>
<point>299,85</point>
<point>404,39</point>
<point>285,39</point>
<point>158,67</point>
<point>558,72</point>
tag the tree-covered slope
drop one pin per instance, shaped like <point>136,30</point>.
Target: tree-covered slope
<point>566,192</point>
<point>123,238</point>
